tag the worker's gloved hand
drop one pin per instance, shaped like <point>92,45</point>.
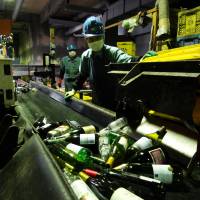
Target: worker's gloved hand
<point>69,94</point>
<point>149,54</point>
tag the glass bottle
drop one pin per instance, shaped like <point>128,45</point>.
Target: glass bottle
<point>118,151</point>
<point>150,155</point>
<point>44,129</point>
<point>80,188</point>
<point>90,141</point>
<point>106,189</point>
<point>165,173</point>
<point>148,141</point>
<point>109,180</point>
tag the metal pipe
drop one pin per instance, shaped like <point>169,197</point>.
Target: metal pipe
<point>164,23</point>
<point>17,8</point>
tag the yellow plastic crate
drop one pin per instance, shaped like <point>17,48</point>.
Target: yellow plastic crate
<point>128,47</point>
<point>188,22</point>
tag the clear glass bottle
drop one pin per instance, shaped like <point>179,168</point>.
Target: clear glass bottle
<point>80,188</point>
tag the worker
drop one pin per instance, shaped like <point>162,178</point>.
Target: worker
<point>94,61</point>
<point>69,67</point>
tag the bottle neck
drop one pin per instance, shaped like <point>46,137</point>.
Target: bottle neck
<point>84,176</point>
<point>110,161</point>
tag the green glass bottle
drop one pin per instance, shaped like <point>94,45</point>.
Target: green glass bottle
<point>80,153</point>
<point>67,155</point>
<point>107,140</point>
<point>118,151</point>
<point>90,141</point>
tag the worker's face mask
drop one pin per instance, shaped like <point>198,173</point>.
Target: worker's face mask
<point>72,54</point>
<point>96,45</point>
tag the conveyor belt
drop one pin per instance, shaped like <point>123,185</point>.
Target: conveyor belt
<point>32,105</point>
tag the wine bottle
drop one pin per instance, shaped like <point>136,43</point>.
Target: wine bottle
<point>71,166</point>
<point>101,185</point>
<point>158,135</point>
<point>122,193</point>
<point>127,130</point>
<point>165,173</point>
<point>44,129</point>
<point>67,155</point>
<point>104,147</point>
<point>148,141</point>
<point>118,150</point>
<point>127,179</point>
<point>60,130</point>
<point>70,157</point>
<point>81,154</point>
<point>84,129</point>
<point>80,188</point>
<point>106,189</point>
<point>90,141</point>
<point>114,126</point>
<point>118,124</point>
<point>111,178</point>
<point>107,140</point>
<point>154,155</point>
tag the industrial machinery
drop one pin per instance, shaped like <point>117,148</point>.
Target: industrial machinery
<point>7,98</point>
<point>149,94</point>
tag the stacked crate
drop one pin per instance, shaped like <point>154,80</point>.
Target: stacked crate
<point>128,47</point>
<point>6,83</point>
<point>188,27</point>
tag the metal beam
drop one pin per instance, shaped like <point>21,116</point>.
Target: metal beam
<point>63,23</point>
<point>75,8</point>
<point>51,8</point>
<point>18,5</point>
<point>82,15</point>
<point>73,30</point>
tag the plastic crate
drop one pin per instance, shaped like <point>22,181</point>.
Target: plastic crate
<point>128,47</point>
<point>188,23</point>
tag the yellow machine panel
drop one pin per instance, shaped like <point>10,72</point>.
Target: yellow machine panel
<point>191,52</point>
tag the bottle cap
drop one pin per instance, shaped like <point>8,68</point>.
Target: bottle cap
<point>110,161</point>
<point>91,172</point>
<point>89,129</point>
<point>83,176</point>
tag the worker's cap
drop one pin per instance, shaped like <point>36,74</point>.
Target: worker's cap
<point>93,26</point>
<point>71,47</point>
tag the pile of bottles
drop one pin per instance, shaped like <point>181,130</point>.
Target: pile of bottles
<point>6,46</point>
<point>110,163</point>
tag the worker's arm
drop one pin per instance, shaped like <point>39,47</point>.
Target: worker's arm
<point>84,70</point>
<point>116,55</point>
